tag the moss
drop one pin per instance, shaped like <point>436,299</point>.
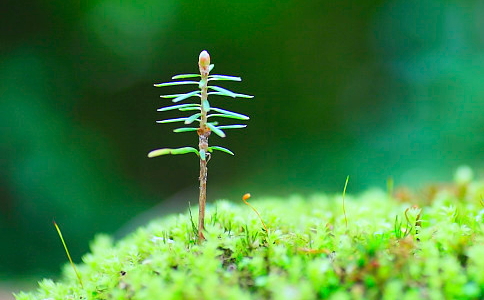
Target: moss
<point>390,250</point>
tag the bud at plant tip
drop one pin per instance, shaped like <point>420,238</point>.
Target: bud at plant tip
<point>204,59</point>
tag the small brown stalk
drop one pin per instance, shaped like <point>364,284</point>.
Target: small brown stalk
<point>203,134</point>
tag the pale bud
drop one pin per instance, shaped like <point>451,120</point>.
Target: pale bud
<point>204,61</point>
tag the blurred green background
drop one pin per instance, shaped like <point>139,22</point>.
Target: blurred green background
<point>367,88</point>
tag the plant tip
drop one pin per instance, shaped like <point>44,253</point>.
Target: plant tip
<point>246,197</point>
<point>204,60</point>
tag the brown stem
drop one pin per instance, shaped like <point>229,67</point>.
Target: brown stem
<point>203,134</point>
<point>202,199</point>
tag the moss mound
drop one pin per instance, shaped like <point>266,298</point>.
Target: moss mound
<point>391,248</point>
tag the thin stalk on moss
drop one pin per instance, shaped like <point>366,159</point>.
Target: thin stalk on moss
<point>68,254</point>
<point>344,194</point>
<point>245,198</point>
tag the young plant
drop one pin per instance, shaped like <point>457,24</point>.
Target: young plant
<point>206,125</point>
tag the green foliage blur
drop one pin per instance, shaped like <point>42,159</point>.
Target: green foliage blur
<point>367,88</point>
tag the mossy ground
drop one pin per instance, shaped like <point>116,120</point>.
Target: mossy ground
<point>398,247</point>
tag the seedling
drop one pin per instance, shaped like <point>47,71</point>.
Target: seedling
<point>204,119</point>
<point>68,254</point>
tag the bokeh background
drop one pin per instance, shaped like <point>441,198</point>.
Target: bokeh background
<point>369,89</point>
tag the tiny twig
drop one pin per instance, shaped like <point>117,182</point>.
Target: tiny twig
<point>68,255</point>
<point>203,134</point>
<point>244,198</point>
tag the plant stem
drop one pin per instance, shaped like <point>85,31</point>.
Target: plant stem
<point>203,134</point>
<point>202,199</point>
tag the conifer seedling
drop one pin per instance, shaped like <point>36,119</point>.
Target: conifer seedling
<point>204,115</point>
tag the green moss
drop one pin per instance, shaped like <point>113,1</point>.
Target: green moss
<point>390,250</point>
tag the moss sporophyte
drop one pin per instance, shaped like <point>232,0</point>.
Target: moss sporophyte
<point>204,119</point>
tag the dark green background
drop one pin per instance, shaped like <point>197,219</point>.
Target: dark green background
<point>369,89</point>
